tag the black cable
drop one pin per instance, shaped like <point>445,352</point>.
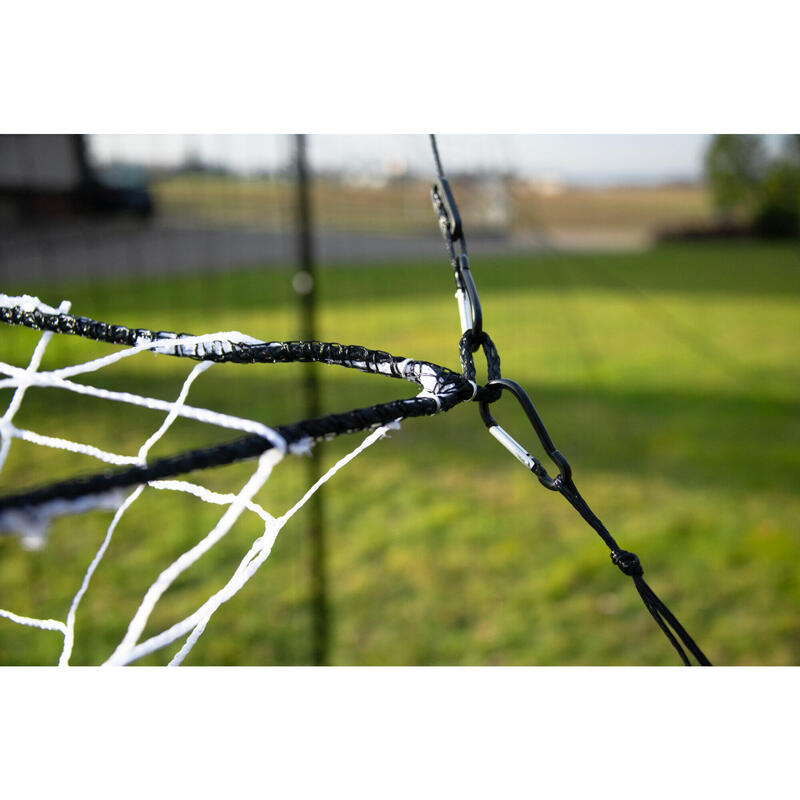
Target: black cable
<point>437,161</point>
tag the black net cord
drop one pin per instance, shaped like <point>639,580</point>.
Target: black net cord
<point>247,447</point>
<point>363,359</point>
<point>629,564</point>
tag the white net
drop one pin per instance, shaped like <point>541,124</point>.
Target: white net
<point>31,524</point>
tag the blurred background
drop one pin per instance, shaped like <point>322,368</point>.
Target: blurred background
<point>644,289</point>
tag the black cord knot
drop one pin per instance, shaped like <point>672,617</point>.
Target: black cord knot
<point>473,341</point>
<point>628,563</point>
<point>468,343</point>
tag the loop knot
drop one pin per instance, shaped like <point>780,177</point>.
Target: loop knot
<point>473,342</point>
<point>468,344</point>
<point>628,563</point>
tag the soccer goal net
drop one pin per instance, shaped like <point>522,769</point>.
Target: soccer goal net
<point>28,514</point>
<point>126,477</point>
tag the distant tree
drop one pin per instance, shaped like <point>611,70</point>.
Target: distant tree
<point>735,165</point>
<point>778,211</point>
<point>791,148</point>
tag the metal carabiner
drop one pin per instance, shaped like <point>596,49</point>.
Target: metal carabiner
<point>449,202</point>
<point>516,449</point>
<point>469,306</point>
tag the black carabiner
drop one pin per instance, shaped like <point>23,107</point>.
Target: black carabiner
<point>516,449</point>
<point>449,202</point>
<point>469,304</point>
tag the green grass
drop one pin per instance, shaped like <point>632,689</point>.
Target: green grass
<point>669,379</point>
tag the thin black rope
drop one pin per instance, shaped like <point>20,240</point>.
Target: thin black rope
<point>436,159</point>
<point>629,564</point>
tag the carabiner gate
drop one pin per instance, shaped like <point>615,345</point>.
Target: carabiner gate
<point>469,306</point>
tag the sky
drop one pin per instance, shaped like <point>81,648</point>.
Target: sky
<point>582,159</point>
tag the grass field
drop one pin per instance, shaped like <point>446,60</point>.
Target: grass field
<point>669,379</point>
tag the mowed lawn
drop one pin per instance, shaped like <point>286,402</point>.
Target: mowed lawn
<point>669,379</point>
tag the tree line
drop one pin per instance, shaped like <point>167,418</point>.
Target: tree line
<point>750,185</point>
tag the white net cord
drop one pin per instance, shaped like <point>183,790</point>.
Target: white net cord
<point>32,524</point>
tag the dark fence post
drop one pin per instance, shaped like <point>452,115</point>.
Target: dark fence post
<point>305,285</point>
